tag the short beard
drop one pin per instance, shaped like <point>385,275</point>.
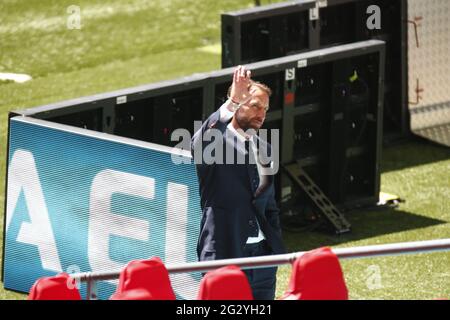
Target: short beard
<point>245,126</point>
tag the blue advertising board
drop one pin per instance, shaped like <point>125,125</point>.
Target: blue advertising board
<point>79,200</point>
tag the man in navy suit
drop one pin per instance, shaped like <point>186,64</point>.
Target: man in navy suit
<point>240,215</point>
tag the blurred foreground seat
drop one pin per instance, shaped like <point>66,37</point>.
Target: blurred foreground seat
<point>226,283</point>
<point>144,280</point>
<point>59,287</point>
<point>317,275</point>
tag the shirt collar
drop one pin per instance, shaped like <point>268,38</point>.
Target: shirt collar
<point>242,136</point>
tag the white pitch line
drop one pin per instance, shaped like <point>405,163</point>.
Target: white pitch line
<point>16,77</point>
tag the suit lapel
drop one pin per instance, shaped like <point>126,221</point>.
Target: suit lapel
<point>264,180</point>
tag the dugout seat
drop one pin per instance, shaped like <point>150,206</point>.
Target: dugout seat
<point>144,280</point>
<point>133,294</point>
<point>316,275</point>
<point>226,283</point>
<point>59,287</point>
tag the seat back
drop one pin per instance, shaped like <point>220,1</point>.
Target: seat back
<point>133,294</point>
<point>149,277</point>
<point>226,283</point>
<point>317,275</point>
<point>59,287</point>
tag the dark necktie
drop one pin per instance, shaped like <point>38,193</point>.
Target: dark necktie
<point>254,184</point>
<point>252,164</point>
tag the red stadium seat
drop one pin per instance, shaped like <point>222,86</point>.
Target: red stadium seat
<point>317,275</point>
<point>144,279</point>
<point>227,283</point>
<point>133,294</point>
<point>54,288</point>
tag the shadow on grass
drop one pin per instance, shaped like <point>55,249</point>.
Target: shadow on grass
<point>417,151</point>
<point>364,225</point>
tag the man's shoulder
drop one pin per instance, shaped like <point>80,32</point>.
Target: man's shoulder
<point>214,122</point>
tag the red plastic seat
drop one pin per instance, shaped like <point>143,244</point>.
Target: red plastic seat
<point>317,275</point>
<point>144,280</point>
<point>133,294</point>
<point>54,288</point>
<point>226,283</point>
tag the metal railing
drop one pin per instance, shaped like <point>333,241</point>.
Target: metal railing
<point>274,260</point>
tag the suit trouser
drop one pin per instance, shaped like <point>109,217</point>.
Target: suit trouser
<point>262,280</point>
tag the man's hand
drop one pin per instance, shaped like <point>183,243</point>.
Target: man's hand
<point>239,90</point>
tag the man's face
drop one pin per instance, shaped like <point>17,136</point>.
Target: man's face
<point>252,114</point>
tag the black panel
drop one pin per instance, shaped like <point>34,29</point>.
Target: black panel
<point>135,120</point>
<point>89,119</point>
<point>220,93</point>
<point>337,24</point>
<point>391,32</point>
<point>255,40</point>
<point>295,33</point>
<point>310,133</point>
<point>358,180</point>
<point>354,124</point>
<point>154,119</point>
<point>312,84</point>
<point>174,111</point>
<point>267,38</point>
<point>340,22</point>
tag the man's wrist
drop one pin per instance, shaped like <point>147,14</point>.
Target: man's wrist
<point>234,105</point>
<point>226,111</point>
<point>234,101</point>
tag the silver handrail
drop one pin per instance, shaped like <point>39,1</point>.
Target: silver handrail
<point>274,260</point>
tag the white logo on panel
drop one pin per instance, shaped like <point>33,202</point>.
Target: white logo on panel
<point>23,175</point>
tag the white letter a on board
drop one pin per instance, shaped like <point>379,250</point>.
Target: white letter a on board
<point>23,175</point>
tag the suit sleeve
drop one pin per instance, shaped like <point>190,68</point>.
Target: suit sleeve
<point>216,119</point>
<point>272,211</point>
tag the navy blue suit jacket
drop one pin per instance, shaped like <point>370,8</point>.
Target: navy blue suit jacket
<point>230,202</point>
